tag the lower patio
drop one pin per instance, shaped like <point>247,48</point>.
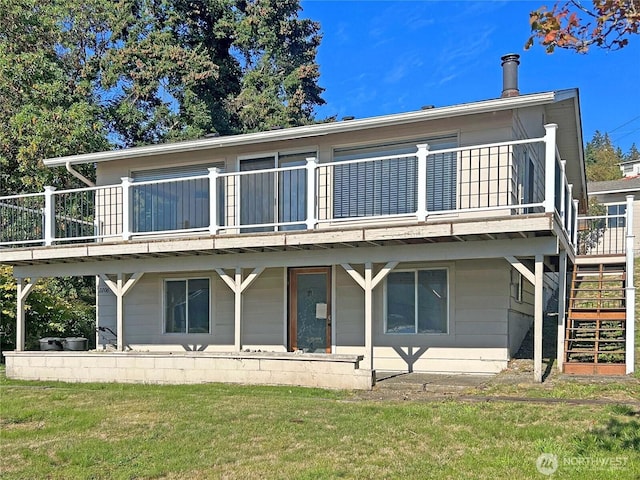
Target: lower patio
<point>257,368</point>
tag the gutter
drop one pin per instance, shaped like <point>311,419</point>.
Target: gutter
<point>78,175</point>
<point>309,130</point>
<point>623,190</point>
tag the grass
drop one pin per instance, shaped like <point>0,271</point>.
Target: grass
<point>112,431</point>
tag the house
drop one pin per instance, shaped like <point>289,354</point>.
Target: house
<point>612,195</point>
<point>316,255</point>
<point>630,168</point>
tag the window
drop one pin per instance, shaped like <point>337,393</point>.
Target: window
<point>417,301</point>
<point>186,306</point>
<point>274,197</point>
<point>172,205</point>
<point>517,279</point>
<point>390,187</point>
<point>613,211</point>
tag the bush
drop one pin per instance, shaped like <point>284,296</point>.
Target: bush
<point>55,307</point>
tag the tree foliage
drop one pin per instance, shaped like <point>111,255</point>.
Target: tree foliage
<point>54,308</point>
<point>572,25</point>
<point>78,77</point>
<point>602,159</point>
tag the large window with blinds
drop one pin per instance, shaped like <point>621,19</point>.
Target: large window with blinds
<point>389,186</point>
<point>171,202</point>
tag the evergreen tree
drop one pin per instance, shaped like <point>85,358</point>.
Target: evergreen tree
<point>602,159</point>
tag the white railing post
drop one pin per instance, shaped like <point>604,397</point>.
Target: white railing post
<point>563,183</point>
<point>126,208</point>
<point>214,224</point>
<point>569,214</point>
<point>630,289</point>
<point>549,166</point>
<point>49,233</point>
<point>312,219</point>
<point>575,224</point>
<point>423,153</point>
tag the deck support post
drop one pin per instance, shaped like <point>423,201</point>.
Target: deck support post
<point>238,286</point>
<point>630,291</point>
<point>368,282</point>
<point>24,289</point>
<point>538,319</point>
<point>120,288</point>
<point>562,307</point>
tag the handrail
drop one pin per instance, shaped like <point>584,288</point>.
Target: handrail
<point>479,186</point>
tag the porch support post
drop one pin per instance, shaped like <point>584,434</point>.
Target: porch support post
<point>550,167</point>
<point>24,289</point>
<point>630,290</point>
<point>423,153</point>
<point>237,311</point>
<point>368,282</point>
<point>537,321</point>
<point>562,307</point>
<point>120,288</point>
<point>238,286</point>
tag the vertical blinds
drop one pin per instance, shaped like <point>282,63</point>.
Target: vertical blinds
<point>389,187</point>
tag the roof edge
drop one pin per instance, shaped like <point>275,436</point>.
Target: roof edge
<point>314,130</point>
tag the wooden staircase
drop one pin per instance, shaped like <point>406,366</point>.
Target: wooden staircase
<point>596,323</point>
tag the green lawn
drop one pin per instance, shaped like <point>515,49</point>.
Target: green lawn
<point>67,431</point>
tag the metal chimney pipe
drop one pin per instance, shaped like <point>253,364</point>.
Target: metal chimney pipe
<point>510,63</point>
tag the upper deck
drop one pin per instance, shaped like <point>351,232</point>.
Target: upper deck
<point>411,194</point>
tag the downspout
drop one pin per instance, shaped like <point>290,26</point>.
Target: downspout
<point>78,175</point>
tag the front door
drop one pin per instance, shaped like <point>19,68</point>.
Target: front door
<point>310,309</point>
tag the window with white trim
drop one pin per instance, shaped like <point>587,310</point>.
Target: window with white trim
<point>187,306</point>
<point>417,301</point>
<point>614,215</point>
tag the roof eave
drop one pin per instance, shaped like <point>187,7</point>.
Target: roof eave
<point>309,130</point>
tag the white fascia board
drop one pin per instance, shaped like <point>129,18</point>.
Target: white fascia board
<point>315,130</point>
<point>622,190</point>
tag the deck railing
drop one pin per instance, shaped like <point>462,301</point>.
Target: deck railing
<point>505,178</point>
<point>605,234</point>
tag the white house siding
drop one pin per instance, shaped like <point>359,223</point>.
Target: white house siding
<point>263,312</point>
<point>484,323</point>
<point>520,313</point>
<point>143,322</point>
<point>478,331</point>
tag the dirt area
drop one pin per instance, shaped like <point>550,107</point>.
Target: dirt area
<point>512,384</point>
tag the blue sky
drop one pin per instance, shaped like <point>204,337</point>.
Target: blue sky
<point>382,57</point>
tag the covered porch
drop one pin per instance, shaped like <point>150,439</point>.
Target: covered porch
<point>251,338</point>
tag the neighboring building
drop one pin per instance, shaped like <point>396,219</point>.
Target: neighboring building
<point>631,168</point>
<point>315,255</point>
<point>612,195</point>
